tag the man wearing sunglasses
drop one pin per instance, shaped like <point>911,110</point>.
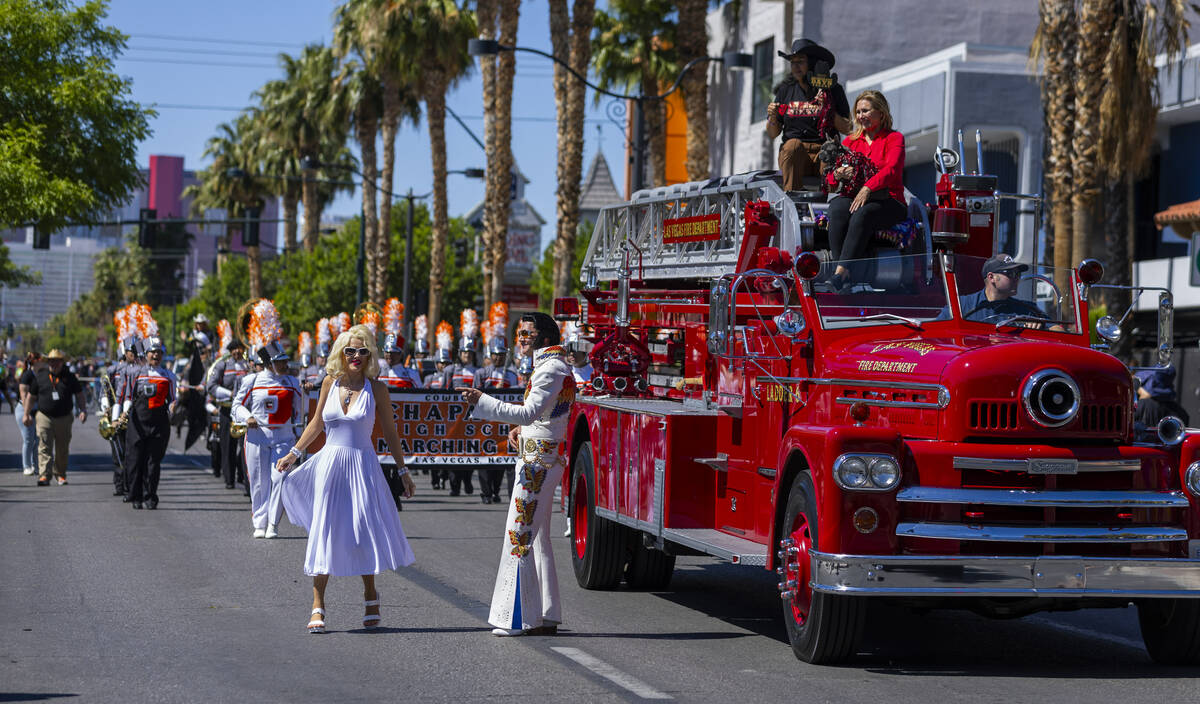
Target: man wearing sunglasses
<point>525,600</point>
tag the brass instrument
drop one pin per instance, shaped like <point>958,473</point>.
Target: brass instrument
<point>237,430</point>
<point>106,426</point>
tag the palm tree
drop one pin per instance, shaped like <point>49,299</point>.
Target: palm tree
<point>571,38</point>
<point>233,182</point>
<point>363,27</point>
<point>1054,42</point>
<point>634,47</point>
<point>363,94</point>
<point>277,157</point>
<point>498,207</point>
<point>693,44</point>
<point>485,17</point>
<point>434,39</point>
<point>316,116</point>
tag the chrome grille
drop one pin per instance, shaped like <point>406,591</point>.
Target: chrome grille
<point>993,415</point>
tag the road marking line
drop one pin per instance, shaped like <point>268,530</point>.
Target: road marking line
<point>1127,642</point>
<point>612,674</point>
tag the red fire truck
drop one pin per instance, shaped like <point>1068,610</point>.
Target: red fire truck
<point>906,437</point>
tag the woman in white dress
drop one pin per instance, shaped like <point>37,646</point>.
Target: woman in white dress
<point>340,495</point>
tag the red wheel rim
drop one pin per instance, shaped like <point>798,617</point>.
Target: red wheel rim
<point>798,569</point>
<point>579,516</point>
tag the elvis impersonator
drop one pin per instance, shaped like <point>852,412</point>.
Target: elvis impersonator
<point>525,600</point>
<point>270,404</point>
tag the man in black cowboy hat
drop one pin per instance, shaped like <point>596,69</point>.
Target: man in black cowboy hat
<point>809,107</point>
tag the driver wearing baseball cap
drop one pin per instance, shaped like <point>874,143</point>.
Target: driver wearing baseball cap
<point>1001,276</point>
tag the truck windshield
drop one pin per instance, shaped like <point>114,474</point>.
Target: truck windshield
<point>1004,292</point>
<point>906,289</point>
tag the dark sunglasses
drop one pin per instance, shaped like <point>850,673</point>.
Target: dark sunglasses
<point>356,351</point>
<point>525,333</point>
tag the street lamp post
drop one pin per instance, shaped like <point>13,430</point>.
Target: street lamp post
<point>731,59</point>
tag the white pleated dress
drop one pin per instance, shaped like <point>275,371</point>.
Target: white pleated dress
<point>341,497</point>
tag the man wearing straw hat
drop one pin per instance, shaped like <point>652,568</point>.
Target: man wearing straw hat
<point>54,386</point>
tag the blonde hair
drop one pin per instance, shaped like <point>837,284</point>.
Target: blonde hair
<point>335,365</point>
<point>877,101</point>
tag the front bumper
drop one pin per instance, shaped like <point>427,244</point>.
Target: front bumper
<point>948,576</point>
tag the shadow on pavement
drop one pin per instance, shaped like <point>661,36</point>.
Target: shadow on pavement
<point>31,696</point>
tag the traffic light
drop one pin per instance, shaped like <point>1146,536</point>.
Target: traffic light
<point>250,229</point>
<point>41,237</point>
<point>147,228</point>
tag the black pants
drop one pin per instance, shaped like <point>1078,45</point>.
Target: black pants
<point>231,451</point>
<point>146,443</point>
<point>490,481</point>
<point>461,478</point>
<point>850,233</point>
<point>117,442</point>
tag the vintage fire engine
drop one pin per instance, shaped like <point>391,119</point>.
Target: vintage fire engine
<point>876,441</point>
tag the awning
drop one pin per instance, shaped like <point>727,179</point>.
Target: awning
<point>1184,218</point>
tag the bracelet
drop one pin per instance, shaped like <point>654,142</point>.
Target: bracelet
<point>295,452</point>
<point>401,470</point>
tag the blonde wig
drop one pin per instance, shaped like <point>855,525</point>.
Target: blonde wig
<point>876,100</point>
<point>335,366</point>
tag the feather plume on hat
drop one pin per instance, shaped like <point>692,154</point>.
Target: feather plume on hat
<point>324,336</point>
<point>421,327</point>
<point>485,329</point>
<point>445,336</point>
<point>304,342</point>
<point>344,322</point>
<point>224,333</point>
<point>264,323</point>
<point>371,319</point>
<point>121,323</point>
<point>468,324</point>
<point>147,326</point>
<point>498,317</point>
<point>393,316</point>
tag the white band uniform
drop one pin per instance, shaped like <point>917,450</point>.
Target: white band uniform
<point>276,402</point>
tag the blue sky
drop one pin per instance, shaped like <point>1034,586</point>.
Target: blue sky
<point>193,82</point>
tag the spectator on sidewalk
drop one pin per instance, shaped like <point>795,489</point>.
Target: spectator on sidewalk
<point>25,383</point>
<point>54,387</point>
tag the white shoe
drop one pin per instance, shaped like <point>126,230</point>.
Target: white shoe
<point>29,471</point>
<point>271,532</point>
<point>567,532</point>
<point>507,631</point>
<point>260,533</point>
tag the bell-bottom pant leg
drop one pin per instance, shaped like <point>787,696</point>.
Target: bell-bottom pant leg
<point>526,592</point>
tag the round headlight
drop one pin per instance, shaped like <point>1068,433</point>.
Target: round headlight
<point>1109,328</point>
<point>1051,398</point>
<point>1170,430</point>
<point>1191,478</point>
<point>852,473</point>
<point>884,472</point>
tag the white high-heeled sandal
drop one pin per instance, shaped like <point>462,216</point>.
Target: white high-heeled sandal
<point>317,625</point>
<point>371,621</point>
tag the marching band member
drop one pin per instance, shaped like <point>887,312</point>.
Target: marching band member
<point>440,378</point>
<point>116,376</point>
<point>463,373</point>
<point>270,403</point>
<point>392,370</point>
<point>496,376</point>
<point>224,377</point>
<point>578,349</point>
<point>151,399</point>
<point>525,600</point>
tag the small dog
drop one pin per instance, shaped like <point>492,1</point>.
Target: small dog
<point>832,156</point>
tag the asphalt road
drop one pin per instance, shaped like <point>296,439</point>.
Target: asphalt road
<point>102,603</point>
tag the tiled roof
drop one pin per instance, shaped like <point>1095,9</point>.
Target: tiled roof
<point>1182,217</point>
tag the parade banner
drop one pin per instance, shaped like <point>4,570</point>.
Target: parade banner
<point>434,429</point>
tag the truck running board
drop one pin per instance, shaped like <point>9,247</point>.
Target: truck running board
<point>737,550</point>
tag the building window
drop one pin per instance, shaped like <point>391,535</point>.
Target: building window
<point>764,59</point>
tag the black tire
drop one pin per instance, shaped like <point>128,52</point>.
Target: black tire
<point>822,628</point>
<point>648,568</point>
<point>597,544</point>
<point>1171,630</point>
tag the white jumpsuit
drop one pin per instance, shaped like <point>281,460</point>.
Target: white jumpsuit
<point>526,591</point>
<point>277,403</point>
